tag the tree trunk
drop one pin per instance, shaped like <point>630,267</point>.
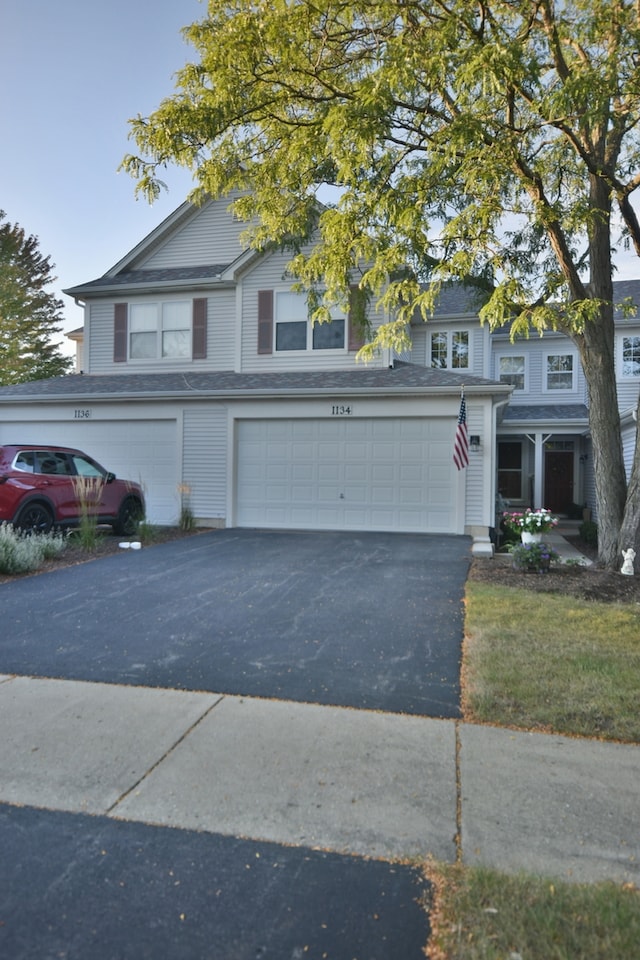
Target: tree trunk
<point>596,353</point>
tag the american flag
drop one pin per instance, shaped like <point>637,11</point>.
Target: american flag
<point>461,442</point>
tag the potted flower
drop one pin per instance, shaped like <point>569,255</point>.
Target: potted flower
<point>531,524</point>
<point>533,557</point>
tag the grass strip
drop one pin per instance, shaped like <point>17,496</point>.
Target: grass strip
<point>482,914</point>
<point>550,662</point>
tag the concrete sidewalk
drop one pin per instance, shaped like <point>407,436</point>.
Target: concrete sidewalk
<point>557,539</point>
<point>350,781</point>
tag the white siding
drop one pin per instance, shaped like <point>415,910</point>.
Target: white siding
<point>628,447</point>
<point>535,352</point>
<point>221,332</point>
<point>99,338</point>
<point>475,479</point>
<point>205,460</point>
<point>211,236</point>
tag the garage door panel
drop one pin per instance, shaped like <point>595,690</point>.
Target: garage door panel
<point>356,472</point>
<point>383,472</point>
<point>392,474</point>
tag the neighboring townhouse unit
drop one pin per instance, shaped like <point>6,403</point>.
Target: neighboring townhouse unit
<point>203,377</point>
<point>543,447</point>
<point>544,454</point>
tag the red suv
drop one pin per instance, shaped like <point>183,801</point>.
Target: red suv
<point>42,487</point>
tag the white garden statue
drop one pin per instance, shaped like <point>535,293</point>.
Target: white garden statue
<point>628,556</point>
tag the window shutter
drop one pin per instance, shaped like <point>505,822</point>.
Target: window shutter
<point>357,337</point>
<point>265,321</point>
<point>199,329</point>
<point>120,314</point>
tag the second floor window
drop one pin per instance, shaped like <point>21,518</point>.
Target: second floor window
<point>511,370</point>
<point>159,330</point>
<point>450,349</point>
<point>631,357</point>
<point>294,330</point>
<point>560,371</point>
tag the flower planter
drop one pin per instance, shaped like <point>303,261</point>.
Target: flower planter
<point>527,537</point>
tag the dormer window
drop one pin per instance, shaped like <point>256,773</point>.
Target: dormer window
<point>450,349</point>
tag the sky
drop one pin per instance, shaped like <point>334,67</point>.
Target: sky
<point>72,73</point>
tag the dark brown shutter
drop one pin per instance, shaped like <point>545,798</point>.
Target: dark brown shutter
<point>265,321</point>
<point>199,331</point>
<point>120,314</point>
<point>357,337</point>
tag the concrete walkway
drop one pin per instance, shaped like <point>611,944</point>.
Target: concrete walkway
<point>350,781</point>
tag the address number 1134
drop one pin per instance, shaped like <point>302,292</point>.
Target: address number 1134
<point>341,410</point>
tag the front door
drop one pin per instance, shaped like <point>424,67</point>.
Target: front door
<point>558,480</point>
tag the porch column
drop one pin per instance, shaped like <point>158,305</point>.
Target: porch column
<point>538,440</point>
<point>537,472</point>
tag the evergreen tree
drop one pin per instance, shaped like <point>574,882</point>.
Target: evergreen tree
<point>29,315</point>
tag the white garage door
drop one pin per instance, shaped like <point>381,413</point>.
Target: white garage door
<point>141,450</point>
<point>394,474</point>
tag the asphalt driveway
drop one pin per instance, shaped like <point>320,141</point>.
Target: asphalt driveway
<point>362,620</point>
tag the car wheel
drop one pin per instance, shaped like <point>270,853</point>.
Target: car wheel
<point>34,518</point>
<point>129,517</point>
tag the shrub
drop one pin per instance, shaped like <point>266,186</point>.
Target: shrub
<point>148,532</point>
<point>24,553</point>
<point>187,519</point>
<point>537,557</point>
<point>88,491</point>
<point>589,532</point>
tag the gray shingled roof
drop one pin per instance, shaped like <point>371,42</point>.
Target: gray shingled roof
<point>623,289</point>
<point>402,378</point>
<point>547,411</point>
<point>456,299</point>
<point>148,277</point>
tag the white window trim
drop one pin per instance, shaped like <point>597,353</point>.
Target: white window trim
<point>309,349</point>
<point>450,332</point>
<point>158,306</point>
<point>628,378</point>
<point>510,356</point>
<point>574,373</point>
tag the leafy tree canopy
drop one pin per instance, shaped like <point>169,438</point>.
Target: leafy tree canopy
<point>490,141</point>
<point>29,315</point>
<point>484,140</point>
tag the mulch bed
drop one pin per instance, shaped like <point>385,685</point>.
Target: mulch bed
<point>106,544</point>
<point>586,583</point>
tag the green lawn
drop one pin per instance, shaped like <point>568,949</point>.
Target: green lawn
<point>548,663</point>
<point>480,914</point>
